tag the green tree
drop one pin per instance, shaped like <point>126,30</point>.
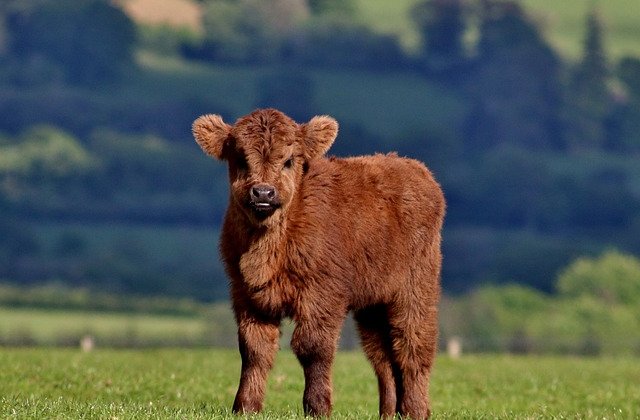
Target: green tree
<point>336,41</point>
<point>629,73</point>
<point>250,30</point>
<point>90,40</point>
<point>626,119</point>
<point>495,318</point>
<point>8,10</point>
<point>4,34</point>
<point>442,26</point>
<point>514,90</point>
<point>338,7</point>
<point>589,99</point>
<point>613,278</point>
<point>44,153</point>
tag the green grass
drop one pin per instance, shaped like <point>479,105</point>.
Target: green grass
<point>45,383</point>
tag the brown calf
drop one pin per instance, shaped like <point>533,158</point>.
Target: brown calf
<point>312,238</point>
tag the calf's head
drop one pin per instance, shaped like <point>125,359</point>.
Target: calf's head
<point>267,153</point>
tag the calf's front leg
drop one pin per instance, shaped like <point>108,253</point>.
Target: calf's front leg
<point>258,343</point>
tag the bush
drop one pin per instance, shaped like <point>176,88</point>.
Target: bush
<point>57,296</point>
<point>596,312</point>
<point>585,326</point>
<point>166,40</point>
<point>45,152</point>
<point>613,278</point>
<point>249,31</point>
<point>495,318</point>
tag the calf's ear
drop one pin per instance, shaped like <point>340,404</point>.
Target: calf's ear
<point>211,134</point>
<point>318,135</point>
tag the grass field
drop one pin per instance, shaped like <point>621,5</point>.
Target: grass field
<point>200,384</point>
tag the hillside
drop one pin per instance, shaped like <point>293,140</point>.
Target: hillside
<point>562,21</point>
<point>539,167</point>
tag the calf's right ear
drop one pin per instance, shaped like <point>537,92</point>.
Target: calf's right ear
<point>211,134</point>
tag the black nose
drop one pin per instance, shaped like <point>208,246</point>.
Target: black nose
<point>263,193</point>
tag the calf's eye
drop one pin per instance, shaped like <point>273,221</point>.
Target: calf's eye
<point>288,163</point>
<point>241,163</point>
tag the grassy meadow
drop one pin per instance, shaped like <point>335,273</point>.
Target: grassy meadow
<point>48,383</point>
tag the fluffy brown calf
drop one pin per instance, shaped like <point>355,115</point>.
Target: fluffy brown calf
<point>313,238</point>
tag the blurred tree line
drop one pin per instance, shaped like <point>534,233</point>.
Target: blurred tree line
<point>540,169</point>
<point>72,41</point>
<point>594,311</point>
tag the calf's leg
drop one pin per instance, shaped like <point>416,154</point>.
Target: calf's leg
<point>414,399</point>
<point>315,346</point>
<point>258,342</point>
<point>374,331</point>
<point>414,346</point>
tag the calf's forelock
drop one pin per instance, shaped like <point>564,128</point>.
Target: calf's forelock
<point>263,131</point>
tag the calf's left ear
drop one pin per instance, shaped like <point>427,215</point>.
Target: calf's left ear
<point>318,135</point>
<point>211,134</point>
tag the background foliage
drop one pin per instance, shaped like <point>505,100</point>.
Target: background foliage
<point>526,111</point>
<point>594,310</point>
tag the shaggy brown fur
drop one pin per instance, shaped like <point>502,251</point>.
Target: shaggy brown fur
<point>313,238</point>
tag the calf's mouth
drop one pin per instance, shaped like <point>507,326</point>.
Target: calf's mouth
<point>263,209</point>
<point>263,200</point>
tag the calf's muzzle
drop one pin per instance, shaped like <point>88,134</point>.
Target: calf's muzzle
<point>264,195</point>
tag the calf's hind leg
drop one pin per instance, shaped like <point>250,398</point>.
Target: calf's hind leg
<point>374,331</point>
<point>414,346</point>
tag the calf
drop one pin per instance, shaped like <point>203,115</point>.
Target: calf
<point>312,238</point>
